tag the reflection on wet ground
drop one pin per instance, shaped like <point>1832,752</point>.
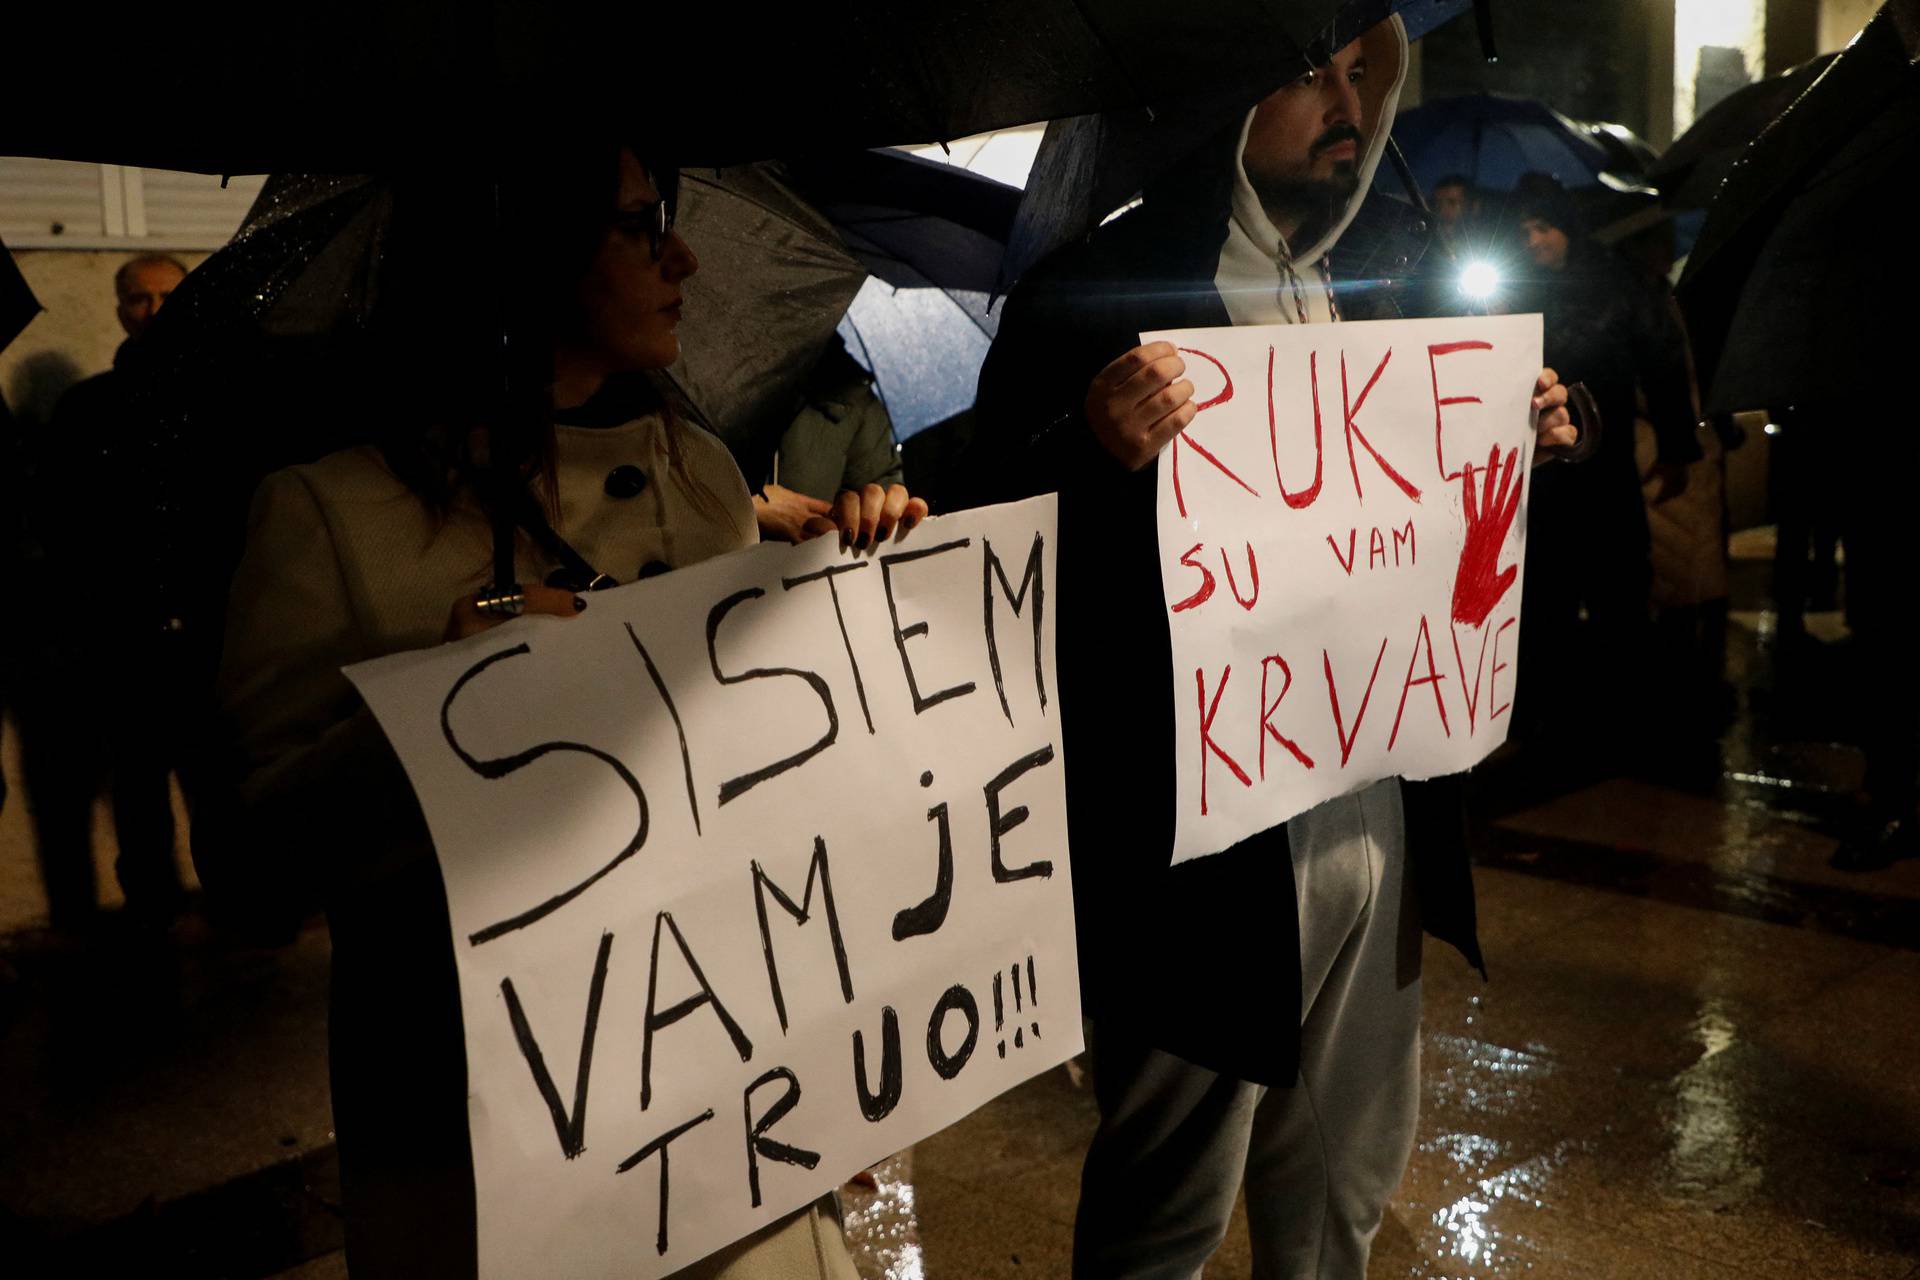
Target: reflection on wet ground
<point>1696,1057</point>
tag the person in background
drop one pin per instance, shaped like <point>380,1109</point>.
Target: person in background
<point>1453,209</point>
<point>1588,545</point>
<point>104,704</point>
<point>839,450</point>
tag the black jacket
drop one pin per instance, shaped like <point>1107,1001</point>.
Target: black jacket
<point>1607,325</point>
<point>1203,960</point>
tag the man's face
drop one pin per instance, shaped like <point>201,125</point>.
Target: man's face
<point>1450,204</point>
<point>1304,143</point>
<point>1546,244</point>
<point>142,291</point>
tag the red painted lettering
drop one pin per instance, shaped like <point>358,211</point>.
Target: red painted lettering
<point>1493,679</point>
<point>1253,572</point>
<point>1434,351</point>
<point>1408,539</point>
<point>1352,409</point>
<point>1186,439</point>
<point>1376,549</point>
<point>1306,496</point>
<point>1346,561</point>
<point>1471,699</point>
<point>1205,592</point>
<point>1432,678</point>
<point>1207,743</point>
<point>1333,696</point>
<point>1266,714</point>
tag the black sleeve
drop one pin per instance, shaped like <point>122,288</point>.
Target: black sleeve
<point>1660,359</point>
<point>1030,427</point>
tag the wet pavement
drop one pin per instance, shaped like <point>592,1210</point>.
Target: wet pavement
<point>1696,1056</point>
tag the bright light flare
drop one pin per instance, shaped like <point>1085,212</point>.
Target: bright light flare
<point>1479,280</point>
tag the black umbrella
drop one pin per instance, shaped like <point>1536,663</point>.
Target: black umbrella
<point>1800,286</point>
<point>368,84</point>
<point>1689,172</point>
<point>18,306</point>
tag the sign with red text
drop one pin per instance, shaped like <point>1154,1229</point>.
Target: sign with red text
<point>757,873</point>
<point>1342,529</point>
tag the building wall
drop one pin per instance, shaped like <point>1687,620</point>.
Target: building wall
<point>1841,20</point>
<point>1608,80</point>
<point>77,334</point>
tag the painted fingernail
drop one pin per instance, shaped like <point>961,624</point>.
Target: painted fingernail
<point>861,544</point>
<point>579,604</point>
<point>881,534</point>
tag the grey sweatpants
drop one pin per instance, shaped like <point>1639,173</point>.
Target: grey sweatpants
<point>1319,1160</point>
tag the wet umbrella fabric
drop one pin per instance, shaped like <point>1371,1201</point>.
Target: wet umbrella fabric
<point>1799,287</point>
<point>1493,139</point>
<point>1690,171</point>
<point>296,291</point>
<point>373,84</point>
<point>897,252</point>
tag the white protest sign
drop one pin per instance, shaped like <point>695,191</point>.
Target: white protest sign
<point>1341,532</point>
<point>757,874</point>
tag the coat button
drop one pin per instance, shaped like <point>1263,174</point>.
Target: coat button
<point>625,481</point>
<point>654,568</point>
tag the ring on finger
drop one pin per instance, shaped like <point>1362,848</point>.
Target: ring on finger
<point>508,602</point>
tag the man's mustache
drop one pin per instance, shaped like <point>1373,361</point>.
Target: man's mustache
<point>1338,134</point>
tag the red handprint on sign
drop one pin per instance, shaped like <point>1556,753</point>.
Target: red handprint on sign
<point>1480,582</point>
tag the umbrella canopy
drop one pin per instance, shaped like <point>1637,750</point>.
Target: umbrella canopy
<point>1690,171</point>
<point>369,84</point>
<point>1492,139</point>
<point>1799,288</point>
<point>786,252</point>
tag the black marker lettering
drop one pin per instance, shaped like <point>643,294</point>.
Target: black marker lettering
<point>931,914</point>
<point>660,1144</point>
<point>570,1129</point>
<point>503,766</point>
<point>878,1106</point>
<point>655,1021</point>
<point>758,1144</point>
<point>829,574</point>
<point>686,757</point>
<point>999,824</point>
<point>762,884</point>
<point>948,1065</point>
<point>733,788</point>
<point>901,636</point>
<point>1033,577</point>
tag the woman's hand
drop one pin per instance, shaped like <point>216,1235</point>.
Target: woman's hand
<point>784,514</point>
<point>869,516</point>
<point>1553,427</point>
<point>466,618</point>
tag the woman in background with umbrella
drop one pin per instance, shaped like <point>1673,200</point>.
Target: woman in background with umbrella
<point>383,548</point>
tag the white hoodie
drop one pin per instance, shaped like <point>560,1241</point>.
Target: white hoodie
<point>1257,271</point>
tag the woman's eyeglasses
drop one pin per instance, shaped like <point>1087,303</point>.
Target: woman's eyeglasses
<point>653,219</point>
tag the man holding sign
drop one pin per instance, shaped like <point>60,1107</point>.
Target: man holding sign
<point>1248,911</point>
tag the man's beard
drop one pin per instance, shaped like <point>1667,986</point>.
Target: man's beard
<point>1313,205</point>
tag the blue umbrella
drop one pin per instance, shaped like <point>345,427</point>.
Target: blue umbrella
<point>1491,139</point>
<point>923,346</point>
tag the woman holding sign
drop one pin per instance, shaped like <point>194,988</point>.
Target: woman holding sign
<point>380,549</point>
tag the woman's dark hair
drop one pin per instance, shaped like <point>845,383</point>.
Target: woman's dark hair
<point>480,276</point>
